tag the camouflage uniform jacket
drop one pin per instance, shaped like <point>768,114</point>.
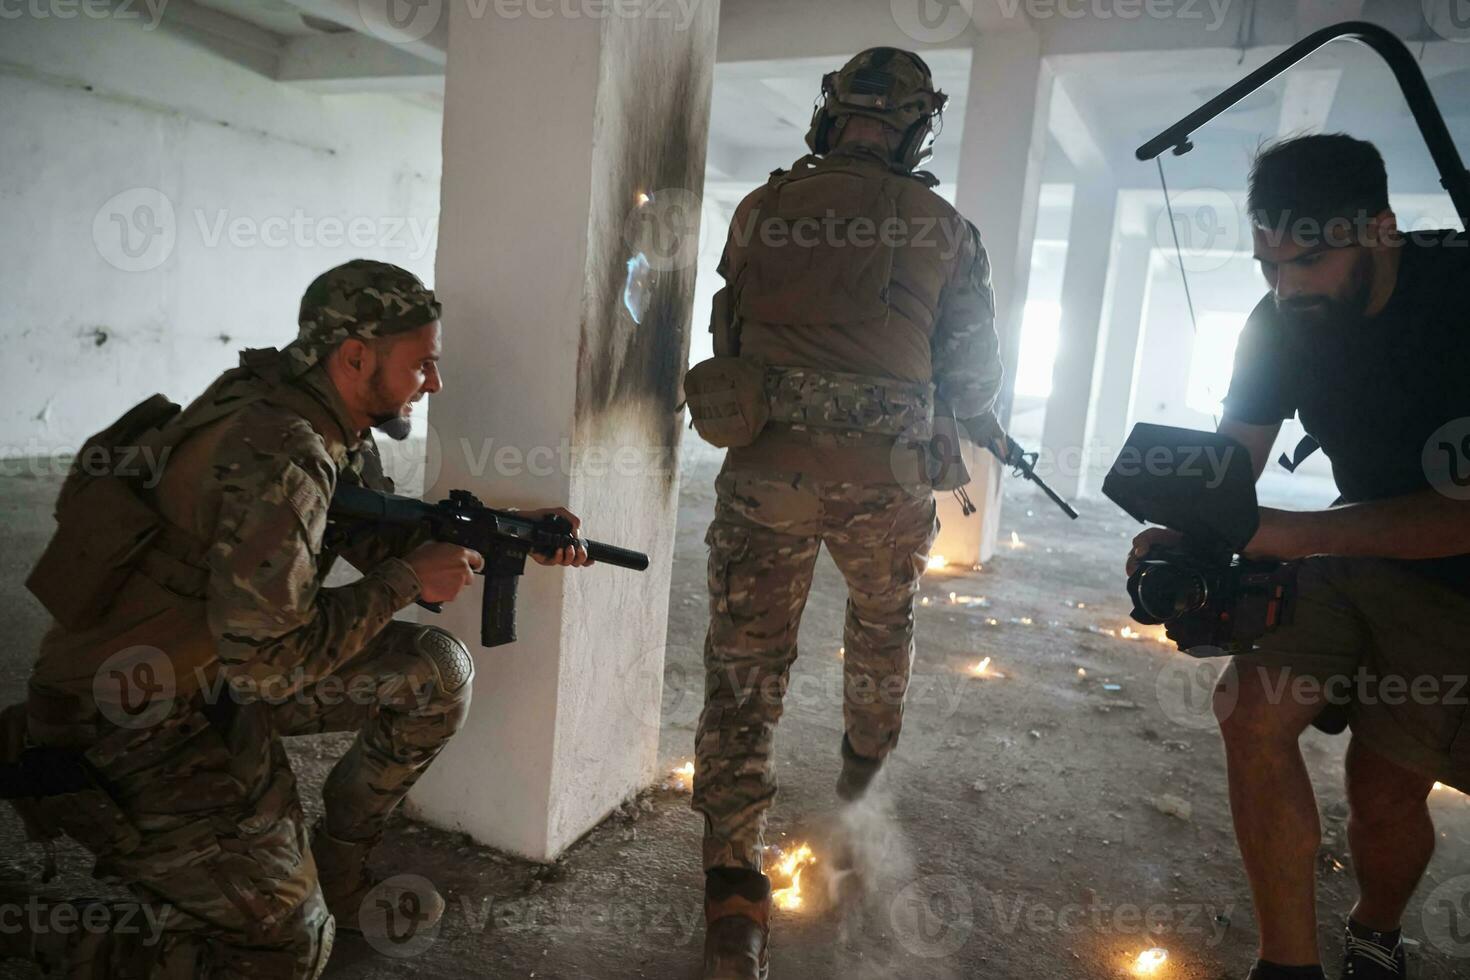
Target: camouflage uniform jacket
<point>250,486</point>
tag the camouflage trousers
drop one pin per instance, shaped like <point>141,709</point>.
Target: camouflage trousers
<point>208,830</point>
<point>763,547</point>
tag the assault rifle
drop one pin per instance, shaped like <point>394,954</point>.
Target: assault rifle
<point>503,538</point>
<point>1023,464</point>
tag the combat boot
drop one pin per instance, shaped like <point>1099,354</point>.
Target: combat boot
<point>342,870</point>
<point>737,913</point>
<point>857,772</point>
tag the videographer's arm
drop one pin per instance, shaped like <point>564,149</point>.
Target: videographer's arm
<point>1259,439</point>
<point>1418,525</point>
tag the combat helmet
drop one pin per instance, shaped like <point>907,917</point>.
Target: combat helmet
<point>888,84</point>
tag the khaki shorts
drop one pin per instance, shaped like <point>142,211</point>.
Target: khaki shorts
<point>1391,647</point>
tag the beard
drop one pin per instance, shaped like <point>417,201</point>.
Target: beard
<point>1327,311</point>
<point>387,416</point>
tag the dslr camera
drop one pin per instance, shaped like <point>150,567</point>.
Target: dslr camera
<point>1202,485</point>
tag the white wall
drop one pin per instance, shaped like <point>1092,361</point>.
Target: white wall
<point>235,190</point>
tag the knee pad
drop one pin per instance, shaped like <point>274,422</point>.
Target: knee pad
<point>450,657</point>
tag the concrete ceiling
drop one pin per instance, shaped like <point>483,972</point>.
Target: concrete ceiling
<point>1119,80</point>
<point>277,16</point>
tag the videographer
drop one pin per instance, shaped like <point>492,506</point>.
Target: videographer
<point>1365,336</point>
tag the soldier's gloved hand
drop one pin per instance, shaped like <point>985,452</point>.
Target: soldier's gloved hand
<point>573,556</point>
<point>443,569</point>
<point>986,432</point>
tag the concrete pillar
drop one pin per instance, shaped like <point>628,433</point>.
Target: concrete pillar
<point>998,188</point>
<point>1117,361</point>
<point>1084,281</point>
<point>566,266</point>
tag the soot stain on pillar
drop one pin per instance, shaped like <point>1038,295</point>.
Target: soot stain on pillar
<point>653,122</point>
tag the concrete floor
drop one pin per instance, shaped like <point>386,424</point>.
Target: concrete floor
<point>1048,823</point>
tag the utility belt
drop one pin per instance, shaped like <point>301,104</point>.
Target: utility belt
<point>731,399</point>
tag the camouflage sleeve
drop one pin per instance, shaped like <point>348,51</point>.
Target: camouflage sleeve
<point>273,621</point>
<point>967,368</point>
<point>722,324</point>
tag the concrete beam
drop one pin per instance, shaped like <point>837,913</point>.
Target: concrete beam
<point>248,46</point>
<point>424,34</point>
<point>356,63</point>
<point>1076,135</point>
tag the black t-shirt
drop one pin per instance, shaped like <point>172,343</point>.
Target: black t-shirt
<point>1371,391</point>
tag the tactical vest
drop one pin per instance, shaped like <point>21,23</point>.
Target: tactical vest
<point>824,246</point>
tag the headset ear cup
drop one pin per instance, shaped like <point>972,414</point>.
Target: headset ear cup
<point>910,151</point>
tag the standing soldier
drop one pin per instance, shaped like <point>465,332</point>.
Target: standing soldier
<point>856,313</point>
<point>194,630</point>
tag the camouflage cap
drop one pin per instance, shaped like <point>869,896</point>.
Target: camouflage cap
<point>362,299</point>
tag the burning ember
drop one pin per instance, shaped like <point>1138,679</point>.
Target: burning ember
<point>982,669</point>
<point>683,776</point>
<point>1150,962</point>
<point>789,868</point>
<point>937,561</point>
<point>642,199</point>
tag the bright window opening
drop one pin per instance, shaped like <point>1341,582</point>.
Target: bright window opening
<point>1039,333</point>
<point>1213,360</point>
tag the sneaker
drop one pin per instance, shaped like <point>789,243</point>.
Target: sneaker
<point>1371,955</point>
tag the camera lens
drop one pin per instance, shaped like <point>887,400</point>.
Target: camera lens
<point>1166,591</point>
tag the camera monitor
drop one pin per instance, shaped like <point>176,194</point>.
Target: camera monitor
<point>1201,484</point>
